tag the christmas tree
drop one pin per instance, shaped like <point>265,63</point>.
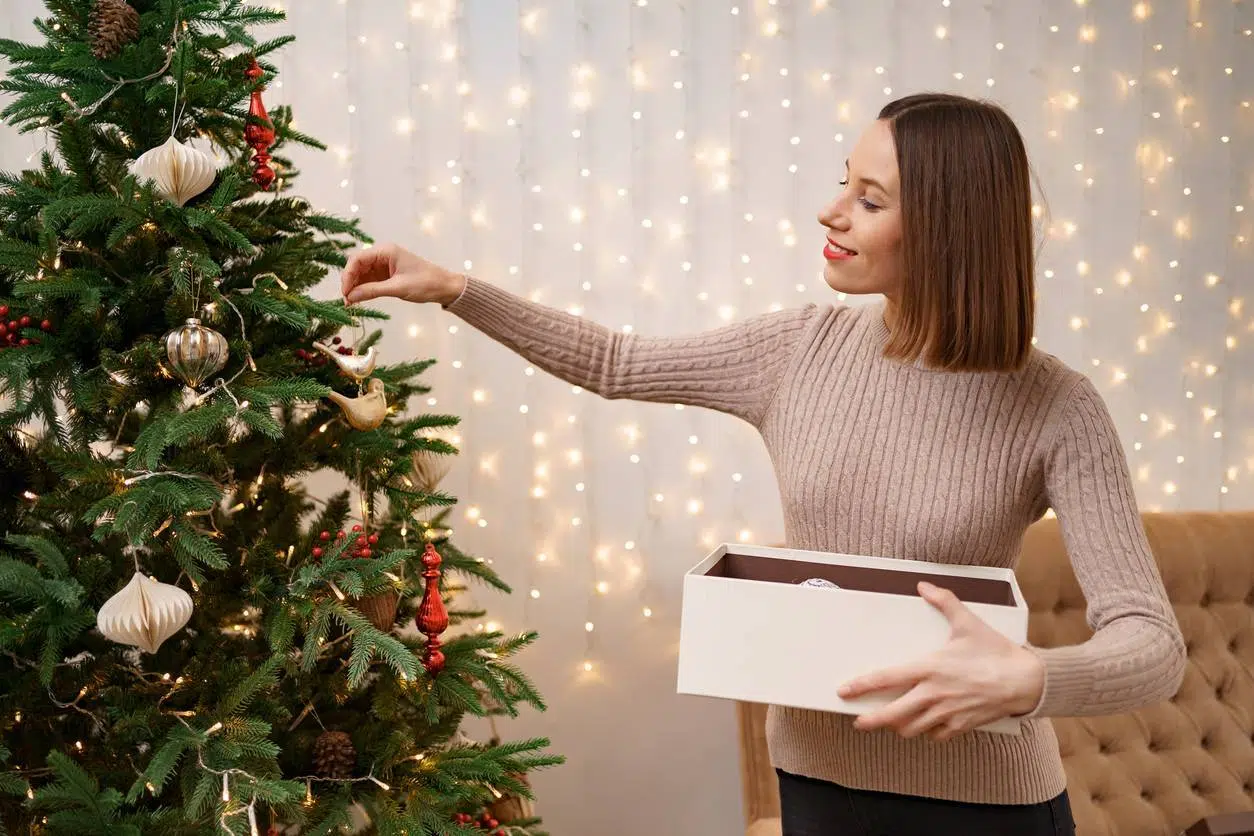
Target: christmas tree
<point>191,642</point>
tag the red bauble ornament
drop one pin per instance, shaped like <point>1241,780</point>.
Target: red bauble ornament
<point>432,616</point>
<point>259,132</point>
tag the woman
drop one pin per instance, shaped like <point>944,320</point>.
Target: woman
<point>926,427</point>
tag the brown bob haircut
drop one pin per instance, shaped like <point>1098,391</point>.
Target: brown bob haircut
<point>967,301</point>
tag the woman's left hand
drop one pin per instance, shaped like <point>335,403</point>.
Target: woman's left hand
<point>979,676</point>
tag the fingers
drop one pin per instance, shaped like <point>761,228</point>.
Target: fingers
<point>898,713</point>
<point>953,609</point>
<point>373,290</point>
<point>902,677</point>
<point>928,720</point>
<point>365,266</point>
<point>951,728</point>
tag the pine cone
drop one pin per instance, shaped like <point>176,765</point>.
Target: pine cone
<point>334,755</point>
<point>114,24</point>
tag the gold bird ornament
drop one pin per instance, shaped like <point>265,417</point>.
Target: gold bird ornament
<point>366,411</point>
<point>356,366</point>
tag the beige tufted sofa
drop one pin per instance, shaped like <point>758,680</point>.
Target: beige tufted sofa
<point>1183,764</point>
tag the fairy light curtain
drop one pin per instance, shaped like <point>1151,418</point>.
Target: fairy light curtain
<point>657,166</point>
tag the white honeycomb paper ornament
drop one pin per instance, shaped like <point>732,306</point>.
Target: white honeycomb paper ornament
<point>144,613</point>
<point>180,171</point>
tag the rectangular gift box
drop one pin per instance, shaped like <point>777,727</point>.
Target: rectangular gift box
<point>749,631</point>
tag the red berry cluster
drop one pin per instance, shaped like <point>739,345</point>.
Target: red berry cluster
<point>361,544</point>
<point>11,329</point>
<point>315,359</point>
<point>484,822</point>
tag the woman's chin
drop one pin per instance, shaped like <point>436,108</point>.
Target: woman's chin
<point>841,281</point>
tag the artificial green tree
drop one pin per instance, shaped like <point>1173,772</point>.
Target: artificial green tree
<point>150,465</point>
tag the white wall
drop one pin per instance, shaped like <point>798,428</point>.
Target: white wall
<point>1142,133</point>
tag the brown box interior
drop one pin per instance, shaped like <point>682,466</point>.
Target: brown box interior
<point>775,570</point>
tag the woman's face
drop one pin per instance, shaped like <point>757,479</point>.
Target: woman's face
<point>863,222</point>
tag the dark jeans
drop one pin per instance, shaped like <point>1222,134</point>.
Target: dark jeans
<point>818,808</point>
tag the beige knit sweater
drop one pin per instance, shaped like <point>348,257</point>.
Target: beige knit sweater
<point>880,457</point>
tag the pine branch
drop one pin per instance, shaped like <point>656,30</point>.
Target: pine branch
<point>368,642</point>
<point>178,742</point>
<point>242,695</point>
<point>80,805</point>
<point>49,555</point>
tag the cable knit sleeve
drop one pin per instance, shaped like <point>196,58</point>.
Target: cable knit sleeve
<point>1136,653</point>
<point>735,369</point>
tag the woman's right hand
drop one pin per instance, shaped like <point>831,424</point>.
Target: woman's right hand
<point>391,270</point>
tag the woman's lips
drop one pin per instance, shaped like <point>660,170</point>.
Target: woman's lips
<point>835,252</point>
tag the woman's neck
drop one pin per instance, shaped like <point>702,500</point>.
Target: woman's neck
<point>890,312</point>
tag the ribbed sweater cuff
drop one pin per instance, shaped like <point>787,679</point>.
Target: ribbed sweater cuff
<point>1069,680</point>
<point>466,288</point>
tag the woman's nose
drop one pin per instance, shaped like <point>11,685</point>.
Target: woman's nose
<point>833,215</point>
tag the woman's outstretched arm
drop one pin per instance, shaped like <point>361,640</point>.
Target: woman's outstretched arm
<point>734,369</point>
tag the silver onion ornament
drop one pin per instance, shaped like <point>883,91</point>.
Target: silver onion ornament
<point>196,352</point>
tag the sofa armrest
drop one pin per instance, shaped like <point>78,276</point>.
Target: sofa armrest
<point>757,778</point>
